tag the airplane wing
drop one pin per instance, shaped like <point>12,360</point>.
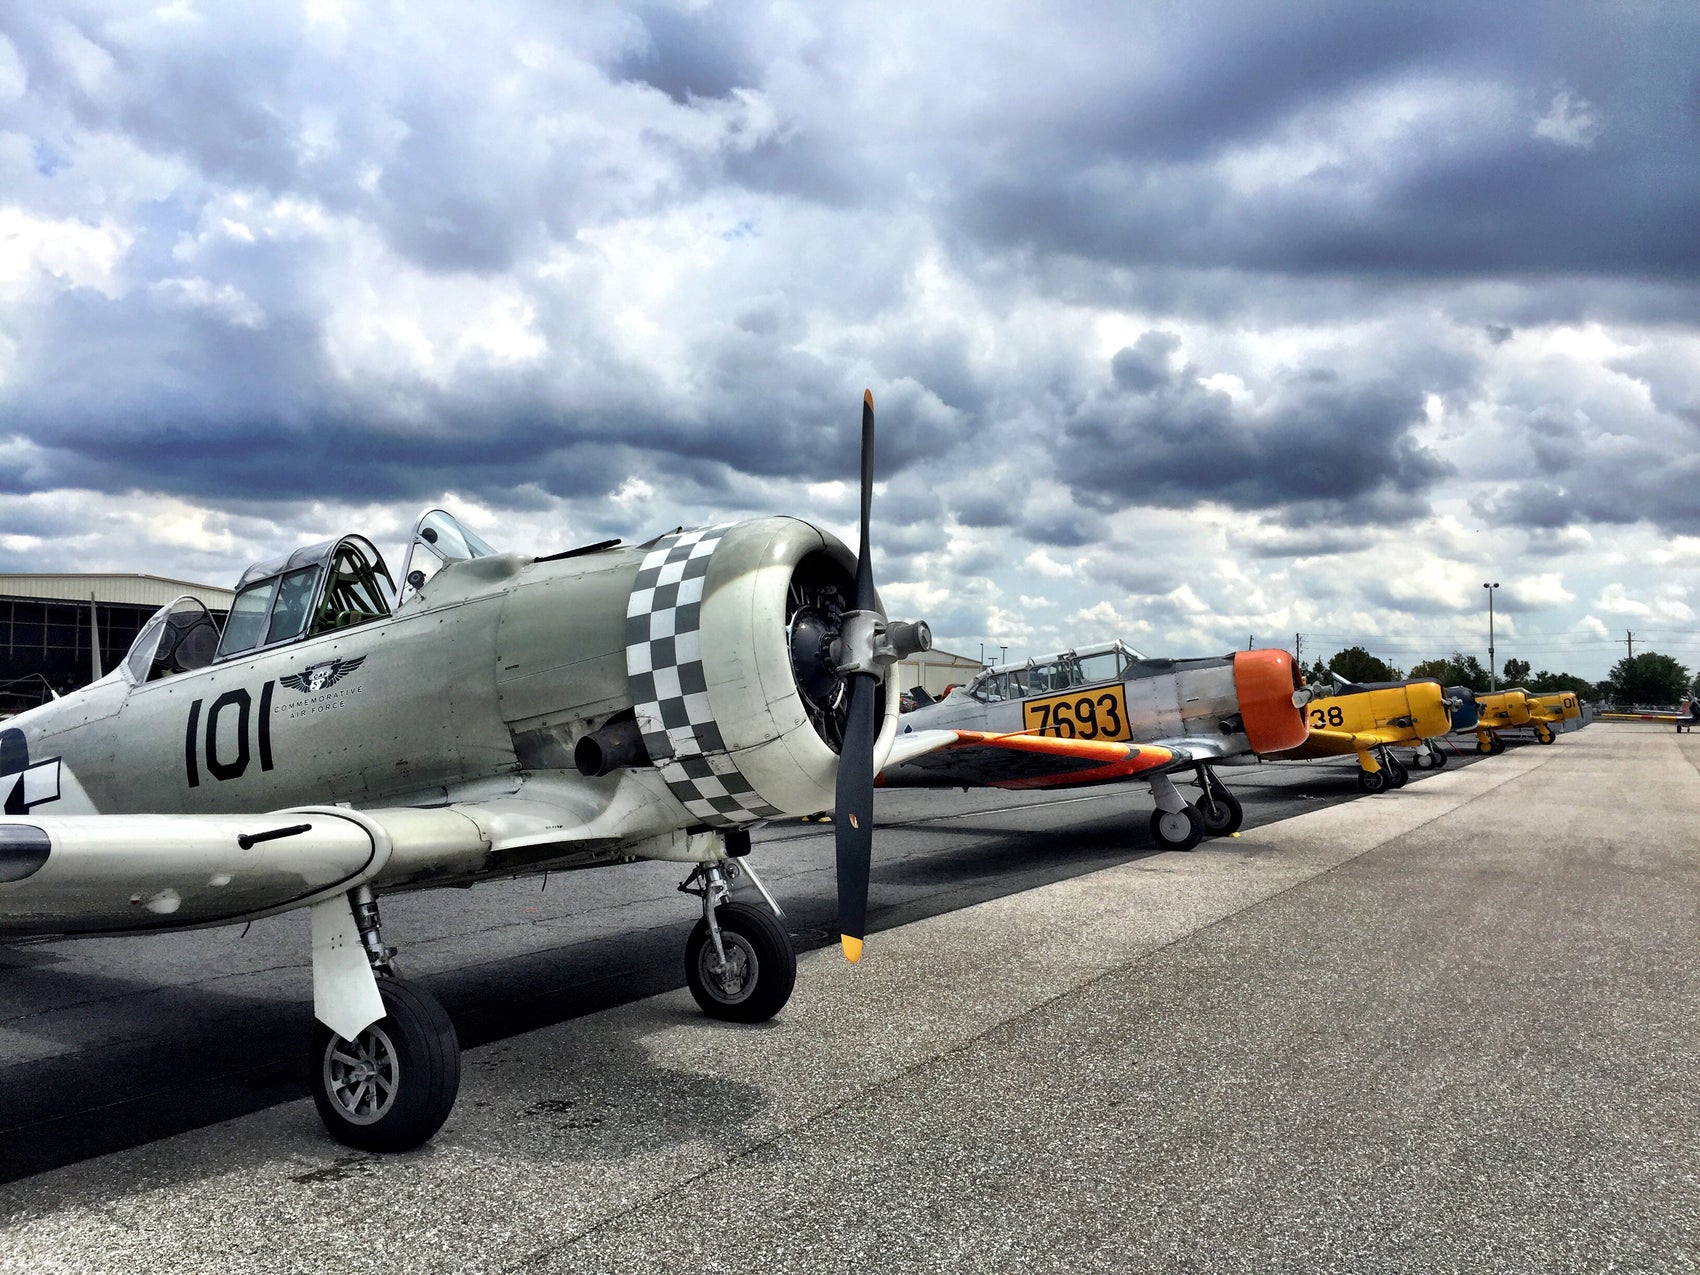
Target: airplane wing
<point>980,759</point>
<point>1354,740</point>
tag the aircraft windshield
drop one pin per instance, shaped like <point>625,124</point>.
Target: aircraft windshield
<point>248,618</point>
<point>439,539</point>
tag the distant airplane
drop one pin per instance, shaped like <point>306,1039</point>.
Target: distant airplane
<point>1096,714</point>
<point>500,715</point>
<point>1515,708</point>
<point>1370,720</point>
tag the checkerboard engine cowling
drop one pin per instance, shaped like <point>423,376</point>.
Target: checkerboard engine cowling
<point>669,688</point>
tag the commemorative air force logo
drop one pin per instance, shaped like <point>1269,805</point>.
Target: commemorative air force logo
<point>321,676</point>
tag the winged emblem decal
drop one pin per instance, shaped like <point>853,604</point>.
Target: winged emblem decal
<point>318,677</point>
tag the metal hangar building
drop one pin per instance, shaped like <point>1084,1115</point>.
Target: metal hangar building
<point>62,631</point>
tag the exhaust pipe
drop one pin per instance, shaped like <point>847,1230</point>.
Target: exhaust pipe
<point>615,746</point>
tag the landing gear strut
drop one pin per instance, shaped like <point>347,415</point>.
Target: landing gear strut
<point>740,963</point>
<point>393,1085</point>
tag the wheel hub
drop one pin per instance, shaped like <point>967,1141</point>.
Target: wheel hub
<point>360,1076</point>
<point>731,979</point>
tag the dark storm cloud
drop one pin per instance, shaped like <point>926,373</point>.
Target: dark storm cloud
<point>135,393</point>
<point>1078,158</point>
<point>1317,447</point>
<point>1609,189</point>
<point>1652,485</point>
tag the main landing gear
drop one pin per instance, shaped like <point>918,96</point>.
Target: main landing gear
<point>391,1087</point>
<point>1431,756</point>
<point>740,962</point>
<point>1489,743</point>
<point>1221,810</point>
<point>1174,824</point>
<point>1392,773</point>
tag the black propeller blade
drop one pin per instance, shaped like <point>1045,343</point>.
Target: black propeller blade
<point>854,817</point>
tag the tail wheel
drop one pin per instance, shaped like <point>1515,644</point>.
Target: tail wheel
<point>760,969</point>
<point>393,1085</point>
<point>1177,829</point>
<point>1373,781</point>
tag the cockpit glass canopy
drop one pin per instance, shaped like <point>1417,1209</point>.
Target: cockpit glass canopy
<point>177,639</point>
<point>319,589</point>
<point>1084,666</point>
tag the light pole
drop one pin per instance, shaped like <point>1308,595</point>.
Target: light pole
<point>1493,678</point>
<point>1003,655</point>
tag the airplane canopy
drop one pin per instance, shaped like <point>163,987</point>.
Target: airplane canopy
<point>1081,666</point>
<point>327,586</point>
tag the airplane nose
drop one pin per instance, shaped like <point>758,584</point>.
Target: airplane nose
<point>1267,683</point>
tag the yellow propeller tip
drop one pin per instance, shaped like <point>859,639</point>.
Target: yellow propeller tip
<point>868,397</point>
<point>852,948</point>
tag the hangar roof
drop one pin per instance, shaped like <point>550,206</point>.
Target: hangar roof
<point>134,590</point>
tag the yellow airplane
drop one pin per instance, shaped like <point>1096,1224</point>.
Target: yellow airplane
<point>1369,720</point>
<point>1500,710</point>
<point>1515,708</point>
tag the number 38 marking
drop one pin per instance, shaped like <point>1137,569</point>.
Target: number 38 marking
<point>1333,717</point>
<point>197,741</point>
<point>1100,714</point>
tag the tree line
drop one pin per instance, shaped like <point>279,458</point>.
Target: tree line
<point>1648,678</point>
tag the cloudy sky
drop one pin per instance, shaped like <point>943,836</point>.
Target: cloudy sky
<point>1185,322</point>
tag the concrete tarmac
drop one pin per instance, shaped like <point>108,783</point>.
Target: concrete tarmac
<point>1451,1028</point>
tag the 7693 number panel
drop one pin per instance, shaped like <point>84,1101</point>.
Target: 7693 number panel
<point>1098,713</point>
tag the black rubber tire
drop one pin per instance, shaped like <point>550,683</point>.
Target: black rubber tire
<point>1397,772</point>
<point>415,1043</point>
<point>760,948</point>
<point>1439,755</point>
<point>1497,747</point>
<point>1220,810</point>
<point>1372,781</point>
<point>1170,838</point>
<point>1545,736</point>
<point>1484,746</point>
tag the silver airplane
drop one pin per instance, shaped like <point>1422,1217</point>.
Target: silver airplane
<point>493,715</point>
<point>1101,713</point>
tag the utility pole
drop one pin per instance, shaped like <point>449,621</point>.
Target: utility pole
<point>1299,649</point>
<point>1493,673</point>
<point>1249,640</point>
<point>1629,641</point>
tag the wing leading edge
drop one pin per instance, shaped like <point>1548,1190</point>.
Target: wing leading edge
<point>967,758</point>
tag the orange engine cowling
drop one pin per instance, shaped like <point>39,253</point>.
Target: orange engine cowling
<point>1266,682</point>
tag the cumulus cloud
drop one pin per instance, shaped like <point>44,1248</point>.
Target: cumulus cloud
<point>1354,301</point>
